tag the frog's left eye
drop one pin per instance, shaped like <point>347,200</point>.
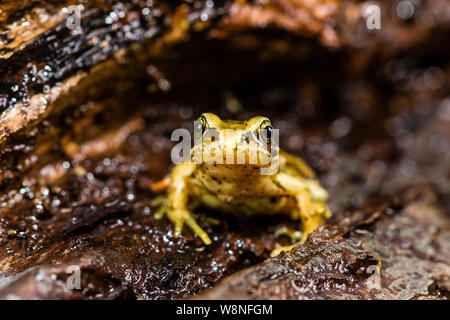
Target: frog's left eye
<point>266,131</point>
<point>201,125</point>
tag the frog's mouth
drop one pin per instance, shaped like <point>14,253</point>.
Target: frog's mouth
<point>252,158</point>
<point>244,148</point>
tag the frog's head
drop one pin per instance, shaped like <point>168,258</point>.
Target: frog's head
<point>235,142</point>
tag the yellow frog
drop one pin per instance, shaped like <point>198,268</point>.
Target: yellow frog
<point>222,182</point>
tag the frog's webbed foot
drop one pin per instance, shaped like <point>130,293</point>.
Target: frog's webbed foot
<point>296,163</point>
<point>292,234</point>
<point>275,252</point>
<point>175,204</point>
<point>179,217</point>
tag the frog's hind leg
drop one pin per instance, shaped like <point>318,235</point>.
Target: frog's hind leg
<point>297,163</point>
<point>311,206</point>
<point>310,216</point>
<point>177,202</point>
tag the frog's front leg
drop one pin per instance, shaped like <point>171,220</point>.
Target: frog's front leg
<point>310,198</point>
<point>178,195</point>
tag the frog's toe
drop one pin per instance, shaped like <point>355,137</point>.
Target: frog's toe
<point>161,186</point>
<point>294,235</point>
<point>291,233</point>
<point>160,203</point>
<point>275,252</point>
<point>160,212</point>
<point>179,217</point>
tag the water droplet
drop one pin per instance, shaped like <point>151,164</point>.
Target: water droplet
<point>340,127</point>
<point>45,191</point>
<point>405,10</point>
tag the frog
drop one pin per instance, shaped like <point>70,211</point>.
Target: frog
<point>241,188</point>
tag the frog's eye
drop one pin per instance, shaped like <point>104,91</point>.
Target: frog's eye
<point>266,131</point>
<point>201,125</point>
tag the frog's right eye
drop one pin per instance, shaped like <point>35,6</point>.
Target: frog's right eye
<point>265,131</point>
<point>201,125</point>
